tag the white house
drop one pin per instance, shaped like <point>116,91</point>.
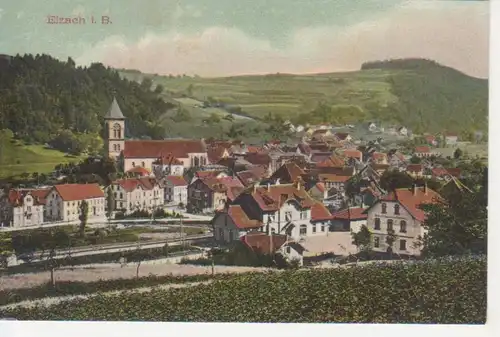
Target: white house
<point>402,131</point>
<point>372,127</point>
<point>451,139</point>
<point>176,190</point>
<point>23,207</point>
<point>137,194</point>
<point>167,165</point>
<point>63,202</point>
<point>263,243</point>
<point>285,209</point>
<point>399,211</point>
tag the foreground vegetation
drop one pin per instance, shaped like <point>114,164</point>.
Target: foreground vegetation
<point>435,291</point>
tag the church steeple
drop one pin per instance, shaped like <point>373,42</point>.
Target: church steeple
<point>115,126</point>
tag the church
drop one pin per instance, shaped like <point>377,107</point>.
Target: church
<point>134,153</point>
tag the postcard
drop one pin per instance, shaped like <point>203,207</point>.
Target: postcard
<point>281,161</point>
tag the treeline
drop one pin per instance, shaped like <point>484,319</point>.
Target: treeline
<point>45,100</point>
<point>433,98</point>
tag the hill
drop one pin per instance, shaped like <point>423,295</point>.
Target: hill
<point>43,99</point>
<point>449,291</point>
<point>420,94</point>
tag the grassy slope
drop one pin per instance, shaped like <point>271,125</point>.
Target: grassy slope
<point>434,98</point>
<point>17,158</point>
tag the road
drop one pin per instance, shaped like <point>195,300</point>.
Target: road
<point>121,247</point>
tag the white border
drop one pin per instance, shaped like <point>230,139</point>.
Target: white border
<point>77,329</point>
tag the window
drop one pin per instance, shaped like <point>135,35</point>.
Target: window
<point>143,164</point>
<point>402,245</point>
<point>390,225</point>
<point>288,249</point>
<point>376,242</point>
<point>121,195</point>
<point>384,208</point>
<point>273,230</point>
<point>402,228</point>
<point>303,215</point>
<point>288,216</point>
<point>396,209</point>
<point>303,229</point>
<point>314,228</point>
<point>29,209</point>
<point>133,164</point>
<point>322,227</point>
<point>377,223</point>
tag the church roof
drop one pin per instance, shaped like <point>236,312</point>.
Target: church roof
<point>114,111</point>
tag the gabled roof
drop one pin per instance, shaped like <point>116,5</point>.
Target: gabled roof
<point>288,172</point>
<point>327,177</point>
<point>422,149</point>
<point>16,196</point>
<point>132,184</point>
<point>258,158</point>
<point>415,168</point>
<point>240,218</point>
<point>263,243</point>
<point>114,111</point>
<point>251,176</point>
<point>353,154</point>
<point>73,192</point>
<point>273,197</point>
<point>167,159</point>
<point>319,212</point>
<point>142,171</point>
<point>179,148</point>
<point>215,154</point>
<point>411,201</point>
<point>176,180</point>
<point>341,135</point>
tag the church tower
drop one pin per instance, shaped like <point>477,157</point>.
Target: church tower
<point>115,131</point>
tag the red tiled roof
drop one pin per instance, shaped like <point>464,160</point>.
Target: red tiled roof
<point>240,218</point>
<point>415,168</point>
<point>251,176</point>
<point>16,197</point>
<point>130,185</point>
<point>356,213</point>
<point>254,149</point>
<point>430,138</point>
<point>319,212</point>
<point>422,149</point>
<point>207,174</point>
<point>411,201</point>
<point>168,159</point>
<point>353,154</point>
<point>330,161</point>
<point>439,172</point>
<point>274,198</point>
<point>263,243</point>
<point>179,148</point>
<point>456,172</point>
<point>288,172</point>
<point>215,154</point>
<point>140,170</point>
<point>258,158</point>
<point>177,180</point>
<point>321,187</point>
<point>73,192</point>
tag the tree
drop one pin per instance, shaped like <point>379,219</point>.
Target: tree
<point>362,239</point>
<point>229,117</point>
<point>159,89</point>
<point>458,153</point>
<point>390,238</point>
<point>110,204</point>
<point>458,224</point>
<point>392,180</point>
<point>415,160</point>
<point>6,249</point>
<point>84,213</point>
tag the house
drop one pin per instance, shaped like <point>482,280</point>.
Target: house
<point>422,152</point>
<point>318,191</point>
<point>167,165</point>
<point>274,209</point>
<point>216,153</point>
<point>209,194</point>
<point>352,153</point>
<point>263,243</point>
<point>139,171</point>
<point>415,170</point>
<point>349,219</point>
<point>399,211</point>
<point>288,173</point>
<point>135,194</point>
<point>252,176</point>
<point>208,174</point>
<point>451,139</point>
<point>338,182</point>
<point>431,140</point>
<point>379,158</point>
<point>175,190</point>
<point>260,159</point>
<point>63,202</point>
<point>402,131</point>
<point>343,137</point>
<point>327,160</point>
<point>372,127</point>
<point>299,128</point>
<point>396,160</point>
<point>23,207</point>
<point>319,134</point>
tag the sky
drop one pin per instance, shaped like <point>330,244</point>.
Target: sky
<point>234,37</point>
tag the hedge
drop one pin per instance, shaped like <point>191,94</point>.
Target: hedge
<point>438,291</point>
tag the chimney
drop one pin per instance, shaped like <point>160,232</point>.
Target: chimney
<point>298,185</point>
<point>414,189</point>
<point>277,181</point>
<point>268,187</point>
<point>425,188</point>
<point>362,204</point>
<point>255,188</point>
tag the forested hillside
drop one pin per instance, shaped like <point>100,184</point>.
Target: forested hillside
<point>432,97</point>
<point>44,100</point>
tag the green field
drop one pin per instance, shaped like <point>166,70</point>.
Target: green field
<point>17,158</point>
<point>282,94</point>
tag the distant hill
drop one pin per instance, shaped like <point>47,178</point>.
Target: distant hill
<point>419,94</point>
<point>44,100</point>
